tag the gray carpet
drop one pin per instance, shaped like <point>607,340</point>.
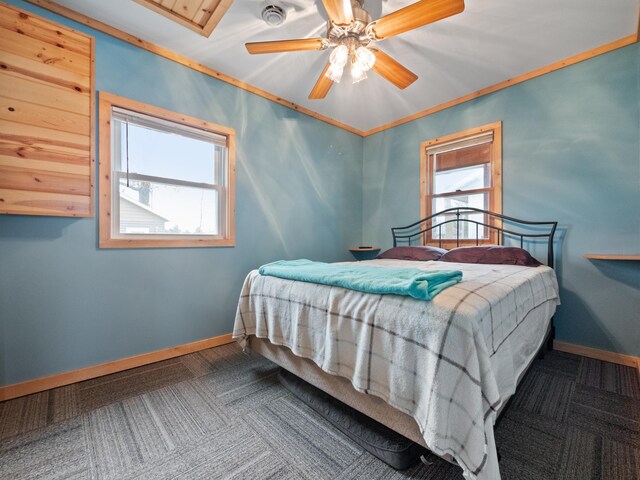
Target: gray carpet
<point>222,414</point>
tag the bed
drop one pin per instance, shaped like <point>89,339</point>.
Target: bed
<point>437,372</point>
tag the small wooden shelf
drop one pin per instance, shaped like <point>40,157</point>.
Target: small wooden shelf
<point>611,256</point>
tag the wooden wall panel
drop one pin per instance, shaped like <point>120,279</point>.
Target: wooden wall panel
<point>47,113</point>
<point>19,111</point>
<point>40,92</point>
<point>43,203</point>
<point>39,28</point>
<point>43,181</point>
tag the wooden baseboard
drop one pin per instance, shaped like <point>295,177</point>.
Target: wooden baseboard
<point>604,355</point>
<point>60,379</point>
<point>66,378</point>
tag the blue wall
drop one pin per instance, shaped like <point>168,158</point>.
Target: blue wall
<point>571,152</point>
<point>307,189</point>
<point>65,304</point>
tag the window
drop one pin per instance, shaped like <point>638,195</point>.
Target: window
<point>462,170</point>
<point>167,180</point>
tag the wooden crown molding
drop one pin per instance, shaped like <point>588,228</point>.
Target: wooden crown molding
<point>104,28</point>
<point>66,378</point>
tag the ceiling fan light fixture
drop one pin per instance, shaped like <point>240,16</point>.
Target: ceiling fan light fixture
<point>357,72</point>
<point>338,60</point>
<point>365,58</point>
<point>339,56</point>
<point>334,73</point>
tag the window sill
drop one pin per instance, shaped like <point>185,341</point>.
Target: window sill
<point>166,243</point>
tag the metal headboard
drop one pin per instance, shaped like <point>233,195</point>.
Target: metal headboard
<point>495,222</point>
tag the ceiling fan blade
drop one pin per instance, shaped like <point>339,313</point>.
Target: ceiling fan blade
<point>340,11</point>
<point>392,71</point>
<point>415,15</point>
<point>322,86</point>
<point>285,45</point>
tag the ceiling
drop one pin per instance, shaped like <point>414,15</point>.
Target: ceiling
<point>490,42</point>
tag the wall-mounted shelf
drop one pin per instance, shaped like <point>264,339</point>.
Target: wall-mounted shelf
<point>611,256</point>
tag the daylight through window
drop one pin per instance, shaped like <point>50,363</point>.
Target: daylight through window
<point>463,170</point>
<point>170,182</point>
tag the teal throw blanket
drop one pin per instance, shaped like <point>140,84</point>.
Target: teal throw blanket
<point>419,284</point>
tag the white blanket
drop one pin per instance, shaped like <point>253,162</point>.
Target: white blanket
<point>431,360</point>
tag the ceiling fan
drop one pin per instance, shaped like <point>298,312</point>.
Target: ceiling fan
<point>350,33</point>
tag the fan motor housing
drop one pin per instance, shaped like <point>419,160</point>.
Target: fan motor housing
<point>357,29</point>
<point>273,14</point>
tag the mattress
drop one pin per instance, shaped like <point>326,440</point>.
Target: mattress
<point>450,364</point>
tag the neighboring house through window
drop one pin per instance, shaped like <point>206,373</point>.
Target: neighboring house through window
<point>167,180</point>
<point>462,170</point>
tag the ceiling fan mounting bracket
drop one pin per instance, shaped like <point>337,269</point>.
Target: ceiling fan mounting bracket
<point>339,36</point>
<point>356,33</point>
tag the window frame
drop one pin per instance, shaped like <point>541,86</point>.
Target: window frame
<point>107,237</point>
<point>427,178</point>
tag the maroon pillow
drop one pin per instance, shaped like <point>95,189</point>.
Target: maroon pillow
<point>421,254</point>
<point>491,254</point>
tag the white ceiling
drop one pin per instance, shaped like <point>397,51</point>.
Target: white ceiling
<point>491,41</point>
